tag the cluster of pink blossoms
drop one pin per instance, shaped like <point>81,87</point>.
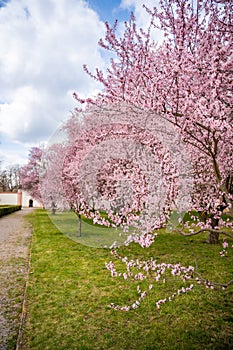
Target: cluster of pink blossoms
<point>179,292</point>
<point>145,239</point>
<point>141,270</point>
<point>225,246</point>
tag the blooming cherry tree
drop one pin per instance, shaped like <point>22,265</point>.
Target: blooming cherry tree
<point>30,173</point>
<point>50,179</point>
<point>125,167</point>
<point>121,171</point>
<point>187,80</point>
<point>159,135</point>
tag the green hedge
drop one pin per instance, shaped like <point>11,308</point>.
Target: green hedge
<point>7,209</point>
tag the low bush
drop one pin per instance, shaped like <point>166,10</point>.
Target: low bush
<point>8,209</point>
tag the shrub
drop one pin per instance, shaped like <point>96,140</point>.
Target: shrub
<point>8,209</point>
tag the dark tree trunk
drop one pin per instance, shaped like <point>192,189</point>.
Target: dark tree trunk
<point>53,208</point>
<point>79,226</point>
<point>213,238</point>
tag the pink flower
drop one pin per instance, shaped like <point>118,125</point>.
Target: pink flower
<point>225,243</point>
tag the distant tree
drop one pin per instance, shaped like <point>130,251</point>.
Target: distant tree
<point>30,173</point>
<point>9,179</point>
<point>50,180</point>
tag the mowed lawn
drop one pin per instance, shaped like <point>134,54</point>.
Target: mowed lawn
<point>69,290</point>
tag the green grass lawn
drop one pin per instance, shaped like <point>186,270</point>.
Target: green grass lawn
<point>96,236</point>
<point>69,291</point>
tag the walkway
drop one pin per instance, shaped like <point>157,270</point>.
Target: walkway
<point>15,238</point>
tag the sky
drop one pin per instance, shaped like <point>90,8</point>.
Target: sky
<point>44,44</point>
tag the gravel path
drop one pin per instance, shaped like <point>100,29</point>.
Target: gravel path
<point>15,238</point>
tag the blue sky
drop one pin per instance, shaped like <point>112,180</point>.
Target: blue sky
<point>109,10</point>
<point>44,44</point>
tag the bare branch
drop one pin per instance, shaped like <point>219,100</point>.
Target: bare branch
<point>204,230</point>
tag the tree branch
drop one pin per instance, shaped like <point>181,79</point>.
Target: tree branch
<point>204,230</point>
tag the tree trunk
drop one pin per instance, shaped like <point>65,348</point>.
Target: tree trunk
<point>213,238</point>
<point>79,226</point>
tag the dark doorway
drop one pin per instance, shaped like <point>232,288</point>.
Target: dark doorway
<point>30,203</point>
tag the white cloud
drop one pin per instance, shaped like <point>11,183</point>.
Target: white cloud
<point>137,7</point>
<point>142,17</point>
<point>44,44</point>
<point>18,155</point>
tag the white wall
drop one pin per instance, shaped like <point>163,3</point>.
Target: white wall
<point>8,198</point>
<point>12,199</point>
<point>25,200</point>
